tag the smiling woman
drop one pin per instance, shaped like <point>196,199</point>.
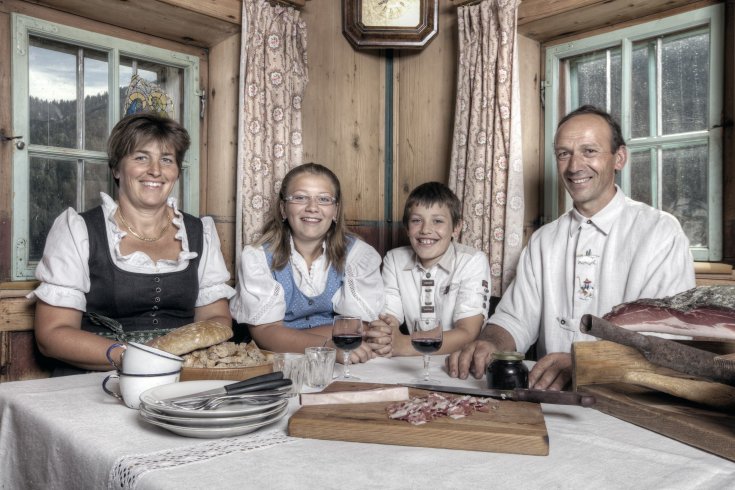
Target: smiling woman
<point>140,260</point>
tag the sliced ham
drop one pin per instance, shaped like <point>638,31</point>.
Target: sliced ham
<point>421,410</point>
<point>705,311</point>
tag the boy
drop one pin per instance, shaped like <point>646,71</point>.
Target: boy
<point>434,278</point>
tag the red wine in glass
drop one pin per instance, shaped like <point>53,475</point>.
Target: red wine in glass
<point>426,346</point>
<point>347,336</point>
<point>426,337</point>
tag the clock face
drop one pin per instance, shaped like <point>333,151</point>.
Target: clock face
<point>391,13</point>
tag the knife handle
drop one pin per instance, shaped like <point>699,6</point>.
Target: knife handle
<point>265,385</point>
<point>555,397</point>
<point>263,378</point>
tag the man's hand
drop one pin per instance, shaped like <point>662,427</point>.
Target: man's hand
<point>551,372</point>
<point>474,357</point>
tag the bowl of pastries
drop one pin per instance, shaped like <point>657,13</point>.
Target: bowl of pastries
<point>208,353</point>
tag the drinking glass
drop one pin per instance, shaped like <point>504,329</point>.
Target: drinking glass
<point>426,337</point>
<point>347,335</point>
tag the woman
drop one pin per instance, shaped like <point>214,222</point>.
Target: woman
<point>139,260</point>
<point>306,268</point>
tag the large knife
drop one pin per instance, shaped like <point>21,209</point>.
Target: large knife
<point>270,381</point>
<point>517,394</point>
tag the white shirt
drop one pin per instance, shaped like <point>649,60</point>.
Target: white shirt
<point>260,297</point>
<point>460,285</point>
<point>64,268</point>
<point>627,251</point>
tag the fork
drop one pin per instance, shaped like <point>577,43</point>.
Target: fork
<point>112,324</point>
<point>262,398</point>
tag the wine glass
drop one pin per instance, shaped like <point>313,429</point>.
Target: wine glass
<point>347,335</point>
<point>426,337</point>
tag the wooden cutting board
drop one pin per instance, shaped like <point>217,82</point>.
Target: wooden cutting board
<point>513,427</point>
<point>601,368</point>
<point>674,417</point>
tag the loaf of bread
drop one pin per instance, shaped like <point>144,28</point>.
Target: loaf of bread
<point>198,335</point>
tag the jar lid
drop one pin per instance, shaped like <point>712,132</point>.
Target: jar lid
<point>508,356</point>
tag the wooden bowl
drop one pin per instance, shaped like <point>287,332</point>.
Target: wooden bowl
<point>234,374</point>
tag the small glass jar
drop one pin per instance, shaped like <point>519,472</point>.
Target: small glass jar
<point>507,371</point>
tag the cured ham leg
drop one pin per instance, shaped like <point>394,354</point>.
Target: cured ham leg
<point>705,311</point>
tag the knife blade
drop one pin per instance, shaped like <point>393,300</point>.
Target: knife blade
<point>268,381</point>
<point>517,394</point>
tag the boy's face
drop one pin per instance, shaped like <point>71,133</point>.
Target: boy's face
<point>430,231</point>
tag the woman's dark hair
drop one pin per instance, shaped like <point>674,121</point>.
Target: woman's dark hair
<point>136,130</point>
<point>431,193</point>
<point>277,231</point>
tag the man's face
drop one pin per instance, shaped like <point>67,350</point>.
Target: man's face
<point>586,163</point>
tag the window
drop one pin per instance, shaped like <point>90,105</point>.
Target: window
<point>68,91</point>
<point>663,82</point>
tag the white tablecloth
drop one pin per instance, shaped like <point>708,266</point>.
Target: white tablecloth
<point>67,433</point>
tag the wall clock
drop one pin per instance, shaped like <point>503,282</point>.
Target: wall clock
<point>383,24</point>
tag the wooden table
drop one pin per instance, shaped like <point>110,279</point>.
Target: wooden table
<point>67,433</point>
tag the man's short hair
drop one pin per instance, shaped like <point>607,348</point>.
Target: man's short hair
<point>616,140</point>
<point>431,193</point>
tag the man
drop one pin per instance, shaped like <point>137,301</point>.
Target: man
<point>607,250</point>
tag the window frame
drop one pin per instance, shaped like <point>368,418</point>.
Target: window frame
<point>22,27</point>
<point>712,17</point>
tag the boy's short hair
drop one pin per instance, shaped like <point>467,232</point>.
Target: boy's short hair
<point>431,193</point>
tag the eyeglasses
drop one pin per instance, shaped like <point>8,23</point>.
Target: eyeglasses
<point>303,199</point>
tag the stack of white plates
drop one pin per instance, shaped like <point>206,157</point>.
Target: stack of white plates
<point>232,419</point>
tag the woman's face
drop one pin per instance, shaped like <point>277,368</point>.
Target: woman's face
<point>148,175</point>
<point>309,222</point>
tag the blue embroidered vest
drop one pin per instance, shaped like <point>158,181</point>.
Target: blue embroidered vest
<point>303,311</point>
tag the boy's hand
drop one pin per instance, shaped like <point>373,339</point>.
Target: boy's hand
<point>380,335</point>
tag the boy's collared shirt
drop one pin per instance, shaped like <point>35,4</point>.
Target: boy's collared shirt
<point>455,287</point>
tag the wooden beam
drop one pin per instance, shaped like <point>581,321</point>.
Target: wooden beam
<point>166,19</point>
<point>226,10</point>
<point>566,22</point>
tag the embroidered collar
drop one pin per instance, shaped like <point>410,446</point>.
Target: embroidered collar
<point>604,219</point>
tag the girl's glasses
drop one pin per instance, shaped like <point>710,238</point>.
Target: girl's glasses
<point>302,199</point>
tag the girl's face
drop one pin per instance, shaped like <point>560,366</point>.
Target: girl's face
<point>147,175</point>
<point>430,231</point>
<point>309,221</point>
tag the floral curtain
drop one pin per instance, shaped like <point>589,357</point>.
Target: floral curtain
<point>486,169</point>
<point>273,75</point>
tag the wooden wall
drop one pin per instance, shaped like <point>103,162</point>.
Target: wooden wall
<point>345,118</point>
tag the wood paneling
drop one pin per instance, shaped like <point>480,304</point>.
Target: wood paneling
<point>222,102</point>
<point>16,312</point>
<point>424,111</point>
<point>529,68</point>
<point>342,119</point>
